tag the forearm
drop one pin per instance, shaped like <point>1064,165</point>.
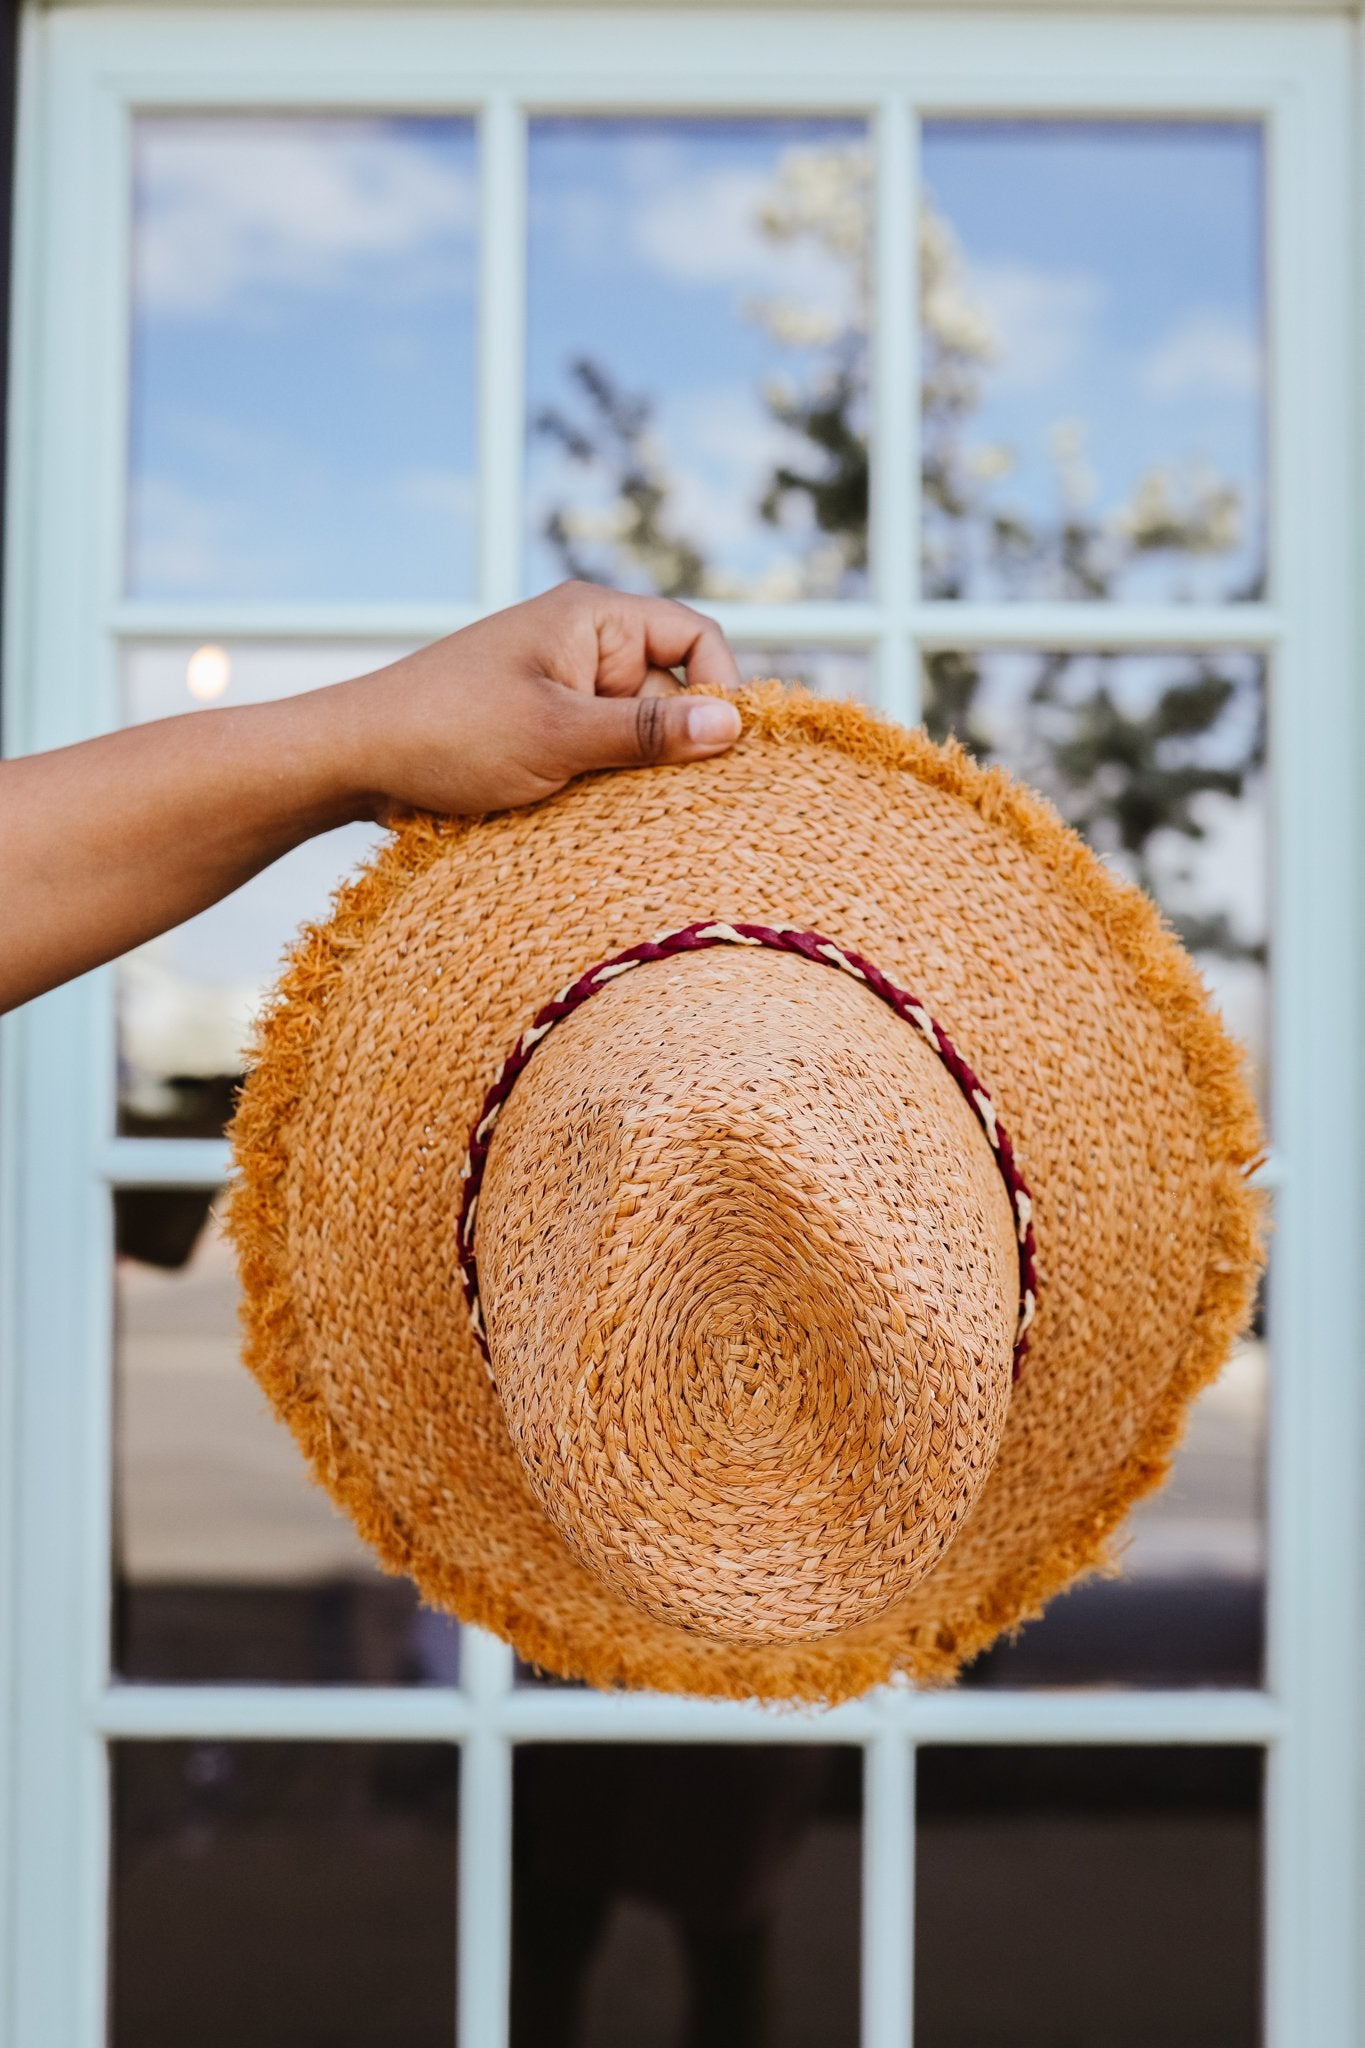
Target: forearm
<point>105,844</point>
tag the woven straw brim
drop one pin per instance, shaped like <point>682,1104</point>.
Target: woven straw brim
<point>1058,983</point>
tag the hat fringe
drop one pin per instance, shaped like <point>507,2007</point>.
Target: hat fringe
<point>927,1653</point>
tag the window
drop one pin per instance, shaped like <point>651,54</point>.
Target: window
<point>996,372</point>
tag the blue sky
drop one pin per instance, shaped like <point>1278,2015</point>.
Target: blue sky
<point>303,361</point>
<point>303,406</point>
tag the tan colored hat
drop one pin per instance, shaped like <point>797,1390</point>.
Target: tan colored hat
<point>750,1228</point>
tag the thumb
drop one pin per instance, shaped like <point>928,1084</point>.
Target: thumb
<point>639,732</point>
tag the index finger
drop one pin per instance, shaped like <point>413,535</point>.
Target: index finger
<point>675,636</point>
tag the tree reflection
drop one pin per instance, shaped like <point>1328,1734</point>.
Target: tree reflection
<point>817,497</point>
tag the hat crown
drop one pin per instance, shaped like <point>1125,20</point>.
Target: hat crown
<point>750,1282</point>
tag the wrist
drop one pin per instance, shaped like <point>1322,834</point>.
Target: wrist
<point>334,753</point>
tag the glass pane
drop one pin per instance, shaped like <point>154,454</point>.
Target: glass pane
<point>1093,360</point>
<point>691,1897</point>
<point>283,1894</point>
<point>697,364</point>
<point>229,1562</point>
<point>302,357</point>
<point>1105,1897</point>
<point>186,1000</point>
<point>1160,761</point>
<point>829,671</point>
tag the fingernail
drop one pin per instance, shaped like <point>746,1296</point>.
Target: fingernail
<point>712,723</point>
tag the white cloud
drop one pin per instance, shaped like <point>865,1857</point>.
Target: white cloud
<point>705,232</point>
<point>1043,320</point>
<point>1208,352</point>
<point>442,493</point>
<point>229,207</point>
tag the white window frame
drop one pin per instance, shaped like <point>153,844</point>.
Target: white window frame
<point>83,72</point>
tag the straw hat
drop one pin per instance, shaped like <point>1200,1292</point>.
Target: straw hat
<point>749,1228</point>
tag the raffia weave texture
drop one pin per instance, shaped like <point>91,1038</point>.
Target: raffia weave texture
<point>814,948</point>
<point>751,1294</point>
<point>748,1265</point>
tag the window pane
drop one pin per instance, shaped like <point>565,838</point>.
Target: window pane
<point>690,1895</point>
<point>230,1563</point>
<point>283,1894</point>
<point>1160,761</point>
<point>1093,360</point>
<point>186,1000</point>
<point>302,357</point>
<point>697,366</point>
<point>1110,1897</point>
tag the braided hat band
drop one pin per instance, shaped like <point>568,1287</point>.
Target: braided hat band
<point>696,937</point>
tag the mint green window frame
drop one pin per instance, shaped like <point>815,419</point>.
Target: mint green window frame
<point>85,72</point>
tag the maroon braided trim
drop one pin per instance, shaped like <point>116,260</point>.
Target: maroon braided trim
<point>693,938</point>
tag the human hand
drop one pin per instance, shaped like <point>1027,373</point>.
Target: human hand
<point>508,710</point>
<point>107,843</point>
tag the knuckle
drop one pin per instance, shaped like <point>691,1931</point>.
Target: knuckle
<point>614,637</point>
<point>651,728</point>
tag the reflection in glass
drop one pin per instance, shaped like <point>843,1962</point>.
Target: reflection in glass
<point>283,1893</point>
<point>698,322</point>
<point>302,419</point>
<point>694,1897</point>
<point>1093,360</point>
<point>186,1000</point>
<point>1096,1896</point>
<point>230,1563</point>
<point>829,671</point>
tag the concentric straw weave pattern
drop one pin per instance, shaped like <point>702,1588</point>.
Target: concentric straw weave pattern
<point>812,946</point>
<point>751,1285</point>
<point>1054,980</point>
